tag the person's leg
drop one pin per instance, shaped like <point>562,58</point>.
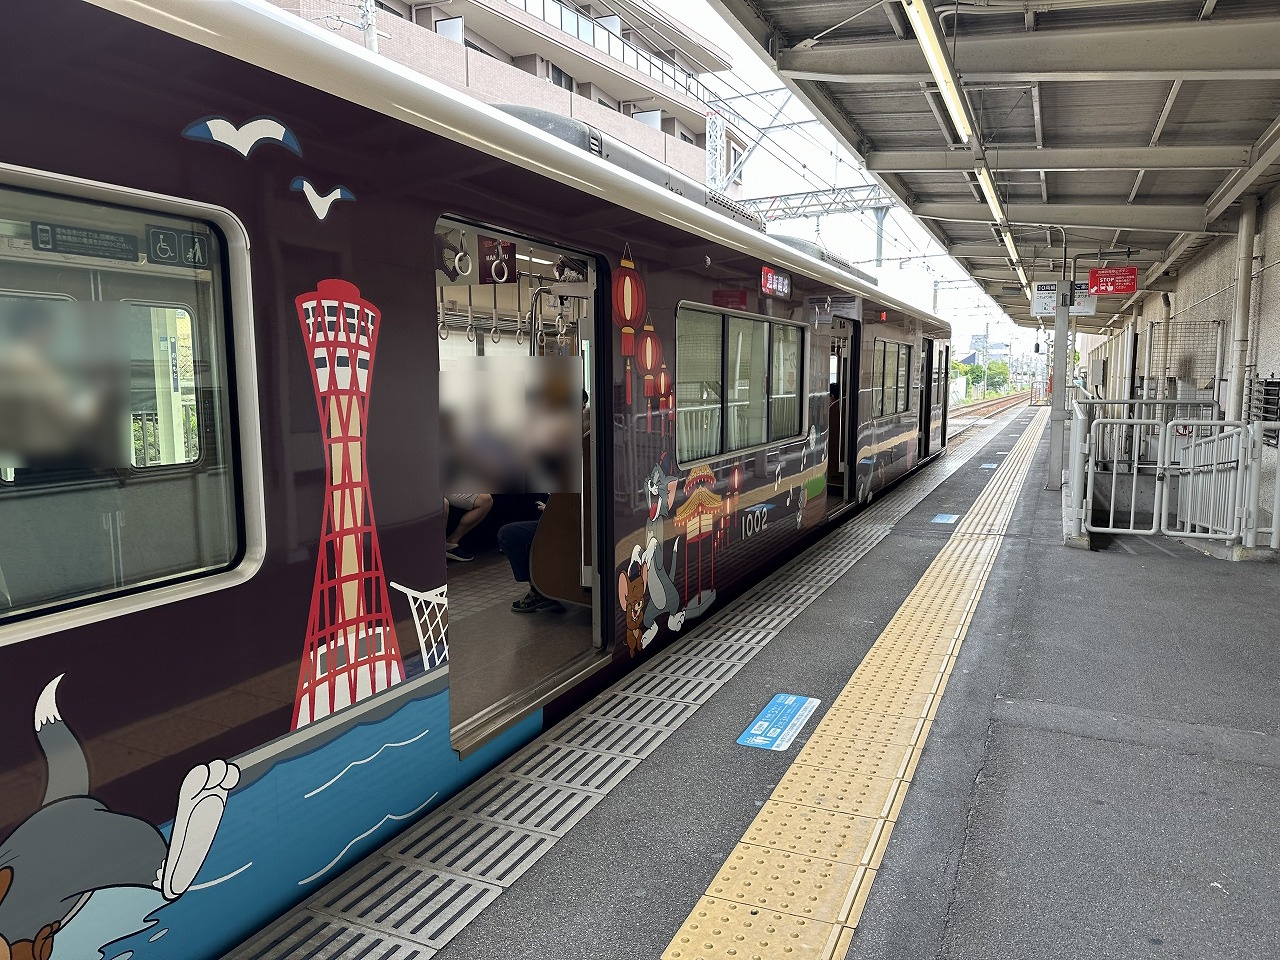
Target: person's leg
<point>483,503</point>
<point>515,541</point>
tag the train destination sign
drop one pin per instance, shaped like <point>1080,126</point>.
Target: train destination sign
<point>1113,280</point>
<point>775,283</point>
<point>83,242</point>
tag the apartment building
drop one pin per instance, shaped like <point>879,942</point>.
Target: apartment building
<point>622,65</point>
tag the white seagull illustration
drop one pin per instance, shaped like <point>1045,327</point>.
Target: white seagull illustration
<point>243,140</point>
<point>320,204</point>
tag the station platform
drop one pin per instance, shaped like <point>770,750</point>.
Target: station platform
<point>1019,751</point>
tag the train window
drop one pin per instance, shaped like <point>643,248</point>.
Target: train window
<point>116,438</point>
<point>889,395</point>
<point>904,378</point>
<point>699,337</point>
<point>784,383</point>
<point>762,365</point>
<point>164,424</point>
<point>877,380</point>
<point>748,360</point>
<point>890,378</point>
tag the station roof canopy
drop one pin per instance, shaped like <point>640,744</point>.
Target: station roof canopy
<point>1135,124</point>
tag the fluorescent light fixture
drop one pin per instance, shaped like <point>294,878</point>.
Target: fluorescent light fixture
<point>925,25</point>
<point>521,256</point>
<point>1007,237</point>
<point>989,192</point>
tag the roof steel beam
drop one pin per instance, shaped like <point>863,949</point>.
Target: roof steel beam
<point>820,203</point>
<point>1167,218</point>
<point>1214,50</point>
<point>1265,153</point>
<point>1038,254</point>
<point>1235,157</point>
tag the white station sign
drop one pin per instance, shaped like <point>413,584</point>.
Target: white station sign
<point>1044,300</point>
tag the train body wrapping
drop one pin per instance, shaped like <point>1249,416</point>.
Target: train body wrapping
<point>215,699</point>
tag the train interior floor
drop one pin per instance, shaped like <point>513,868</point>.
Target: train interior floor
<point>494,652</point>
<point>1091,773</point>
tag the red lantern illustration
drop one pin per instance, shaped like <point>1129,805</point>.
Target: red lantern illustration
<point>628,301</point>
<point>666,400</point>
<point>649,360</point>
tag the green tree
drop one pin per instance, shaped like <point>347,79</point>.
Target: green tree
<point>998,376</point>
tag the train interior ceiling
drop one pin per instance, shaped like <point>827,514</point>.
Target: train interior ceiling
<point>515,319</point>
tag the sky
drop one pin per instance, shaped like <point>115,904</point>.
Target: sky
<point>806,157</point>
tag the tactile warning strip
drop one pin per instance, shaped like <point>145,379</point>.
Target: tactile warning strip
<point>796,884</point>
<point>424,886</point>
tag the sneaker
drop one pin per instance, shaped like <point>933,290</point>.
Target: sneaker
<point>455,551</point>
<point>532,601</point>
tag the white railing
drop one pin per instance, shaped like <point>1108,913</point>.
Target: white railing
<point>1198,476</point>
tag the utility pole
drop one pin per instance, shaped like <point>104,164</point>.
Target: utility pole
<point>986,353</point>
<point>369,25</point>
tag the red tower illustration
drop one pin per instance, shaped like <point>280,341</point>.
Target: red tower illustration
<point>351,650</point>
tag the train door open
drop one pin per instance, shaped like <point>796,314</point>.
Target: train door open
<point>516,322</point>
<point>927,387</point>
<point>842,417</point>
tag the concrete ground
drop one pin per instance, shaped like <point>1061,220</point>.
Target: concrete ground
<point>1100,780</point>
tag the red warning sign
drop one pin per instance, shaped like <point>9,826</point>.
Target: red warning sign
<point>1107,281</point>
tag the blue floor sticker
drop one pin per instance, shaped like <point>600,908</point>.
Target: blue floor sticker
<point>988,466</point>
<point>779,722</point>
<point>946,518</point>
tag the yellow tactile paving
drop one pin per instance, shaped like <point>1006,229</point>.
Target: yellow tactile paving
<point>796,885</point>
<point>735,931</point>
<point>874,727</point>
<point>843,837</point>
<point>793,883</point>
<point>874,759</point>
<point>833,790</point>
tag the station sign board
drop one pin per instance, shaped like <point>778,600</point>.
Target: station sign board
<point>1113,280</point>
<point>1044,300</point>
<point>775,283</point>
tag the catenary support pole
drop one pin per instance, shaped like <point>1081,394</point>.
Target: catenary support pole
<point>1058,416</point>
<point>1244,294</point>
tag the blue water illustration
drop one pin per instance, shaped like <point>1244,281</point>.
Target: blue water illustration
<point>288,833</point>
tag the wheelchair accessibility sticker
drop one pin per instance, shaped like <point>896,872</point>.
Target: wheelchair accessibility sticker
<point>779,722</point>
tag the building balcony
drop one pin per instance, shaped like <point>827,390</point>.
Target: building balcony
<point>495,81</point>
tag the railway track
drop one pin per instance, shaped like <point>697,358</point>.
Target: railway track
<point>984,408</point>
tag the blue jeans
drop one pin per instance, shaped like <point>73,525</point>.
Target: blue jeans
<point>515,540</point>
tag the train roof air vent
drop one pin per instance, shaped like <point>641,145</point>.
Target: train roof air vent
<point>718,201</point>
<point>819,252</point>
<point>574,132</point>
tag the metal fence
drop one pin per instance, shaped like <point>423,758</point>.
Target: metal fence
<point>1149,466</point>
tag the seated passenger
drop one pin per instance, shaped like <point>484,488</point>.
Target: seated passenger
<point>515,540</point>
<point>477,507</point>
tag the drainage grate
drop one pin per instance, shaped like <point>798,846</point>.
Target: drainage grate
<point>595,733</point>
<point>476,848</point>
<point>664,714</point>
<point>663,687</point>
<point>575,767</point>
<point>313,937</point>
<point>406,901</point>
<point>708,648</point>
<point>544,807</point>
<point>695,665</point>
